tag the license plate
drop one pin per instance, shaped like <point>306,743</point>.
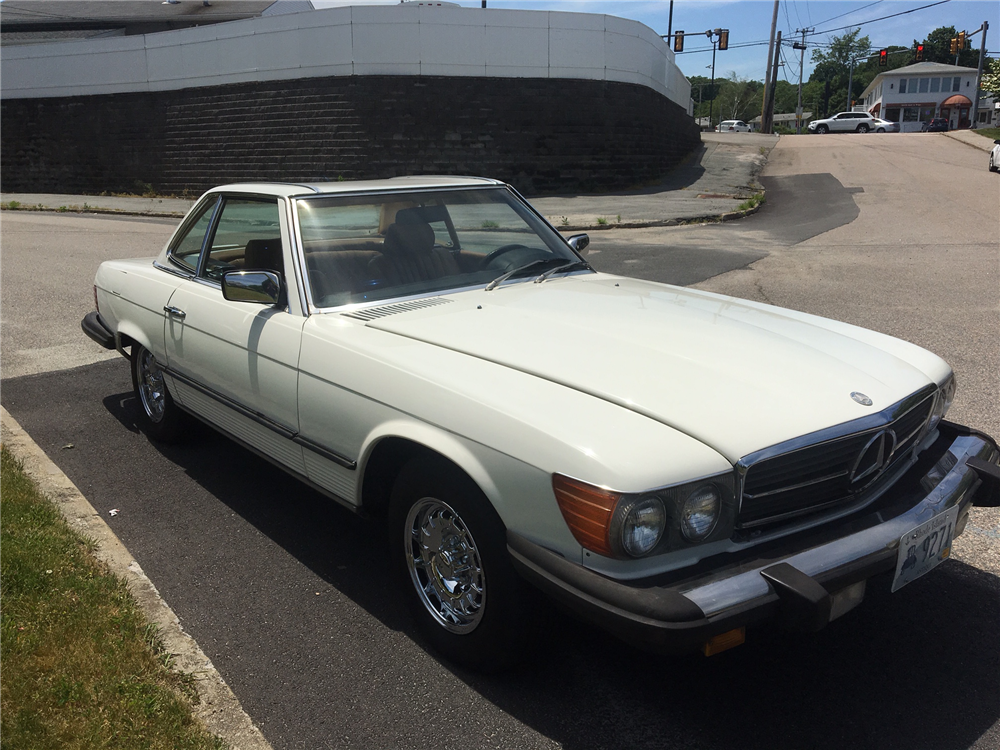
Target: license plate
<point>924,548</point>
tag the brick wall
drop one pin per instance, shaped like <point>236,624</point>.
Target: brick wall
<point>541,135</point>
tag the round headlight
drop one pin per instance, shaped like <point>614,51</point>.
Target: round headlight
<point>945,395</point>
<point>643,526</point>
<point>700,513</point>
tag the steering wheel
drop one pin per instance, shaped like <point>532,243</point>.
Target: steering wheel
<point>215,268</point>
<point>503,249</point>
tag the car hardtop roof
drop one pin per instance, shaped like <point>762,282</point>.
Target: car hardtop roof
<point>303,189</point>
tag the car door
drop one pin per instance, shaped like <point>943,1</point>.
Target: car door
<point>236,362</point>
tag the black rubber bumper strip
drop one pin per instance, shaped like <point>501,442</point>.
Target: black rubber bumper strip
<point>575,581</point>
<point>94,326</point>
<point>805,604</point>
<point>989,475</point>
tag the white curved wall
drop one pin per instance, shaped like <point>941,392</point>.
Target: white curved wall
<point>357,40</point>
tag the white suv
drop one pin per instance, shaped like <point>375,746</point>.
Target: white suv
<point>844,122</point>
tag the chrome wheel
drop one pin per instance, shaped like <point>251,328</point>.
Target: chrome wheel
<point>152,391</point>
<point>445,565</point>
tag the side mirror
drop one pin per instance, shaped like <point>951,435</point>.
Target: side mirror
<point>260,287</point>
<point>579,242</point>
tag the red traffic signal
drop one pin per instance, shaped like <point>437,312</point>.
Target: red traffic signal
<point>724,39</point>
<point>883,58</point>
<point>920,52</point>
<point>678,41</point>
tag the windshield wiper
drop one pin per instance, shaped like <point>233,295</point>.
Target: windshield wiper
<point>520,269</point>
<point>573,265</point>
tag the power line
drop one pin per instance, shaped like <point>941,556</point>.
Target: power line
<point>873,20</point>
<point>849,12</point>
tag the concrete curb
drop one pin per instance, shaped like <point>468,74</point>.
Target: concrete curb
<point>972,139</point>
<point>219,709</point>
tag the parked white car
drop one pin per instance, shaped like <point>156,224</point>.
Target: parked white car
<point>885,126</point>
<point>844,122</point>
<point>732,126</point>
<point>672,464</point>
<point>995,157</point>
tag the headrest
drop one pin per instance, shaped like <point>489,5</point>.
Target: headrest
<point>263,255</point>
<point>409,239</point>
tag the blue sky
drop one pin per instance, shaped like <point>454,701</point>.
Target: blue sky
<point>749,23</point>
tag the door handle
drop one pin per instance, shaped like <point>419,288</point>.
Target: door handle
<point>174,311</point>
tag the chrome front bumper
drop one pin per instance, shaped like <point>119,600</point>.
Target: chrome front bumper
<point>799,582</point>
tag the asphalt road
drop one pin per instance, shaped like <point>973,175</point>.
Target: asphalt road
<point>287,593</point>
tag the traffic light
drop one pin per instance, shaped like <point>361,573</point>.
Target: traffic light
<point>954,45</point>
<point>883,58</point>
<point>678,41</point>
<point>920,52</point>
<point>724,39</point>
<point>961,40</point>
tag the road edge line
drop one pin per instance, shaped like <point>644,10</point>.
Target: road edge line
<point>218,709</point>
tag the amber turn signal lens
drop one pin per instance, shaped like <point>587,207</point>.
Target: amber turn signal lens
<point>724,641</point>
<point>587,510</point>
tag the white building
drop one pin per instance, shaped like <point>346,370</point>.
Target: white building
<point>916,93</point>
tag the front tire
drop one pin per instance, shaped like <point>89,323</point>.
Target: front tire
<point>159,416</point>
<point>450,554</point>
<point>822,129</point>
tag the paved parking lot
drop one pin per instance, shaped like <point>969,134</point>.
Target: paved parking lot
<point>287,594</point>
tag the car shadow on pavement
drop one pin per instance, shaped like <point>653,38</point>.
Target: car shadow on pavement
<point>915,669</point>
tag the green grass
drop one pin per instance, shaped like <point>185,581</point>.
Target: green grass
<point>81,666</point>
<point>753,202</point>
<point>992,133</point>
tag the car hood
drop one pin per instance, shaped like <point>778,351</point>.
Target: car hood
<point>737,376</point>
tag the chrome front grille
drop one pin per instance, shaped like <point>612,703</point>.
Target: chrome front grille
<point>828,472</point>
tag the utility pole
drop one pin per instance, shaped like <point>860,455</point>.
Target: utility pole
<point>767,76</point>
<point>670,21</point>
<point>979,75</point>
<point>802,64</point>
<point>769,104</point>
<point>711,103</point>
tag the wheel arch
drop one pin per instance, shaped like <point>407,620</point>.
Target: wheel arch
<point>387,451</point>
<point>128,335</point>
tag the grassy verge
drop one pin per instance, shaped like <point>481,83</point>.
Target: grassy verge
<point>992,133</point>
<point>81,666</point>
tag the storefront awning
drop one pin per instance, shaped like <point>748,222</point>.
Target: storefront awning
<point>957,101</point>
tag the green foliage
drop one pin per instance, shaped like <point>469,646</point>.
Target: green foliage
<point>991,78</point>
<point>601,221</point>
<point>937,48</point>
<point>81,667</point>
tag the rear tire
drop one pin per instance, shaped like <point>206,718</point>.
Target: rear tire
<point>159,416</point>
<point>449,550</point>
<point>863,128</point>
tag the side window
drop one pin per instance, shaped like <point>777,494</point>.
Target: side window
<point>247,236</point>
<point>187,250</point>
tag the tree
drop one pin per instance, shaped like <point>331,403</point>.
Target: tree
<point>937,48</point>
<point>736,97</point>
<point>991,79</point>
<point>833,68</point>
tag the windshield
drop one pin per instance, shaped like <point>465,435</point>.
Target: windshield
<point>375,247</point>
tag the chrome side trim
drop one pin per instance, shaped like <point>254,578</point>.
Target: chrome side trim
<point>285,432</point>
<point>287,469</point>
<point>171,271</point>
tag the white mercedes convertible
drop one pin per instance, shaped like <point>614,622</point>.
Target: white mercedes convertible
<point>671,464</point>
